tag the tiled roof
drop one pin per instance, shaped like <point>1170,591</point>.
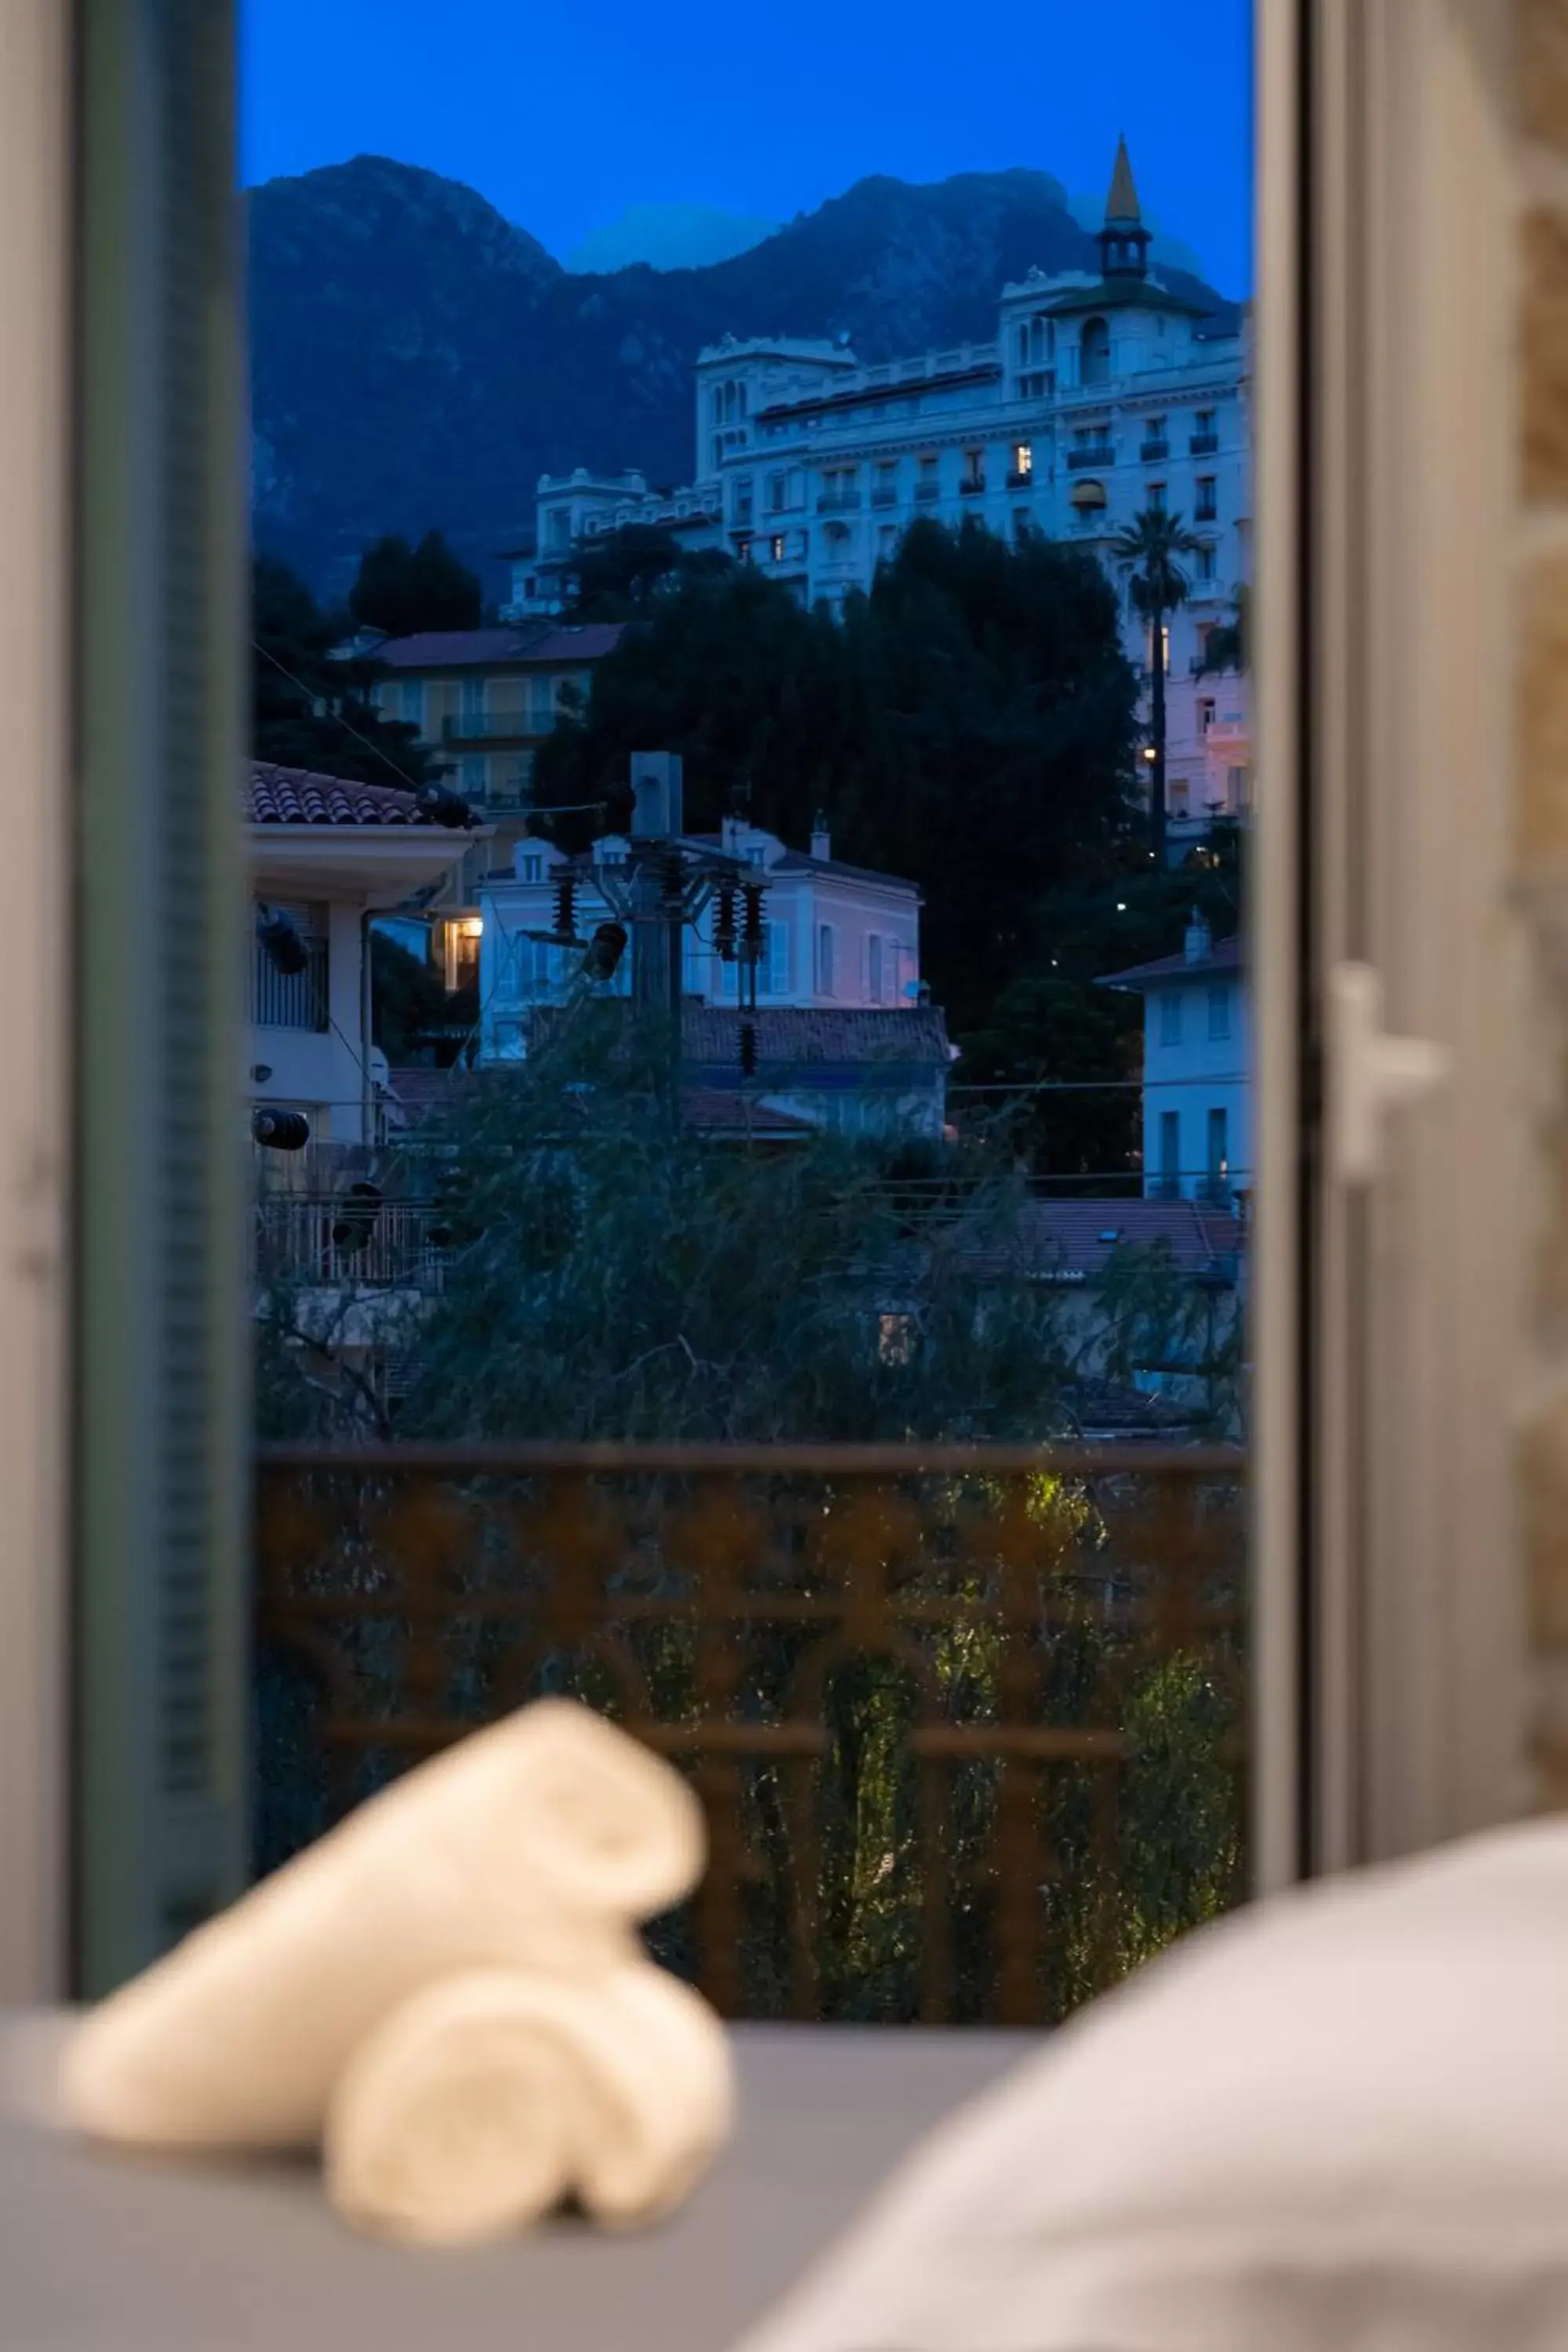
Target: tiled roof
<point>797,1035</point>
<point>275,796</point>
<point>492,648</point>
<point>1075,1238</point>
<point>794,1037</point>
<point>419,1092</point>
<point>711,1111</point>
<point>1224,957</point>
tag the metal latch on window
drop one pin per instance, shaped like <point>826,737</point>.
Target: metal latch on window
<point>1370,1073</point>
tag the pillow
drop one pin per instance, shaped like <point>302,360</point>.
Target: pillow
<point>1335,2123</point>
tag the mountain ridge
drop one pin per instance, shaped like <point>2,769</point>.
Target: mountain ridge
<point>418,361</point>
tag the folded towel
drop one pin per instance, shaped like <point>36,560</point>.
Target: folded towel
<point>534,1844</point>
<point>486,2100</point>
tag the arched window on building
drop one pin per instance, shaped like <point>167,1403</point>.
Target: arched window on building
<point>1095,353</point>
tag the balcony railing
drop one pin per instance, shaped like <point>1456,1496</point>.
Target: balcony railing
<point>1021,477</point>
<point>926,493</point>
<point>884,495</point>
<point>1204,444</point>
<point>838,502</point>
<point>332,1240</point>
<point>496,726</point>
<point>1100,454</point>
<point>289,1000</point>
<point>973,485</point>
<point>967,1722</point>
<point>1154,453</point>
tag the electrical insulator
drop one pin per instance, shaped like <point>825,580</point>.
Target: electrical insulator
<point>748,1049</point>
<point>672,881</point>
<point>284,949</point>
<point>752,895</point>
<point>565,907</point>
<point>353,1229</point>
<point>605,951</point>
<point>724,925</point>
<point>280,1131</point>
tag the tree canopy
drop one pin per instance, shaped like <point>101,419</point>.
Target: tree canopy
<point>310,711</point>
<point>403,589</point>
<point>969,724</point>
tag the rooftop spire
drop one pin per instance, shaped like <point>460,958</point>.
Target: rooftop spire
<point>1122,204</point>
<point>1125,241</point>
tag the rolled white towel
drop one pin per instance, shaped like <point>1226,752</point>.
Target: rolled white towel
<point>484,2101</point>
<point>534,1844</point>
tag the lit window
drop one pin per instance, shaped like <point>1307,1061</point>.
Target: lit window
<point>1023,460</point>
<point>776,547</point>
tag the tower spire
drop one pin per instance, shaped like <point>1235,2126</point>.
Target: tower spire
<point>1122,204</point>
<point>1123,242</point>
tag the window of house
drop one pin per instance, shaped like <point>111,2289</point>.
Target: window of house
<point>411,702</point>
<point>1023,460</point>
<point>1169,1150</point>
<point>824,959</point>
<point>774,976</point>
<point>1206,714</point>
<point>776,547</point>
<point>776,483</point>
<point>472,698</point>
<point>1094,351</point>
<point>1170,1017</point>
<point>1218,1150</point>
<point>874,969</point>
<point>974,470</point>
<point>740,502</point>
<point>1208,507</point>
<point>1204,563</point>
<point>471,776</point>
<point>534,865</point>
<point>541,704</point>
<point>1219,1010</point>
<point>1235,789</point>
<point>1155,498</point>
<point>558,527</point>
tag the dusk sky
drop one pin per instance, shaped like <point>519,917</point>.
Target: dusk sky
<point>568,117</point>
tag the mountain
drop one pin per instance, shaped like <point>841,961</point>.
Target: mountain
<point>419,361</point>
<point>668,237</point>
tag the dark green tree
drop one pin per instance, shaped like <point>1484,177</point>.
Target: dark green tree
<point>616,577</point>
<point>403,589</point>
<point>309,711</point>
<point>970,724</point>
<point>1148,552</point>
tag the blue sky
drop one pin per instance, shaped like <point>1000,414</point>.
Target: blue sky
<point>568,116</point>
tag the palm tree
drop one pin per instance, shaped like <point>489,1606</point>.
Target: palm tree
<point>1147,554</point>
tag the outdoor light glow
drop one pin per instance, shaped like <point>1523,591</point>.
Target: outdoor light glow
<point>1148,753</point>
<point>473,927</point>
<point>1121,905</point>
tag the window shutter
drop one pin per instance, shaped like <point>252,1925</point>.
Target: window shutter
<point>161,1533</point>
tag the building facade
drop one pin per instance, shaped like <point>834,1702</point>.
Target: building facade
<point>1103,394</point>
<point>326,855</point>
<point>1197,1083</point>
<point>838,936</point>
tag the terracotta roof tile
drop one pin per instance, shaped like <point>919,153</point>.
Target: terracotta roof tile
<point>489,648</point>
<point>275,796</point>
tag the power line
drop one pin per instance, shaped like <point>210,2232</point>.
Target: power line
<point>347,725</point>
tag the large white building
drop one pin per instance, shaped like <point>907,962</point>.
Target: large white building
<point>1102,396</point>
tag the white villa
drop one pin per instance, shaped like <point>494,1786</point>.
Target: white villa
<point>838,935</point>
<point>326,855</point>
<point>1197,1083</point>
<point>1102,396</point>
